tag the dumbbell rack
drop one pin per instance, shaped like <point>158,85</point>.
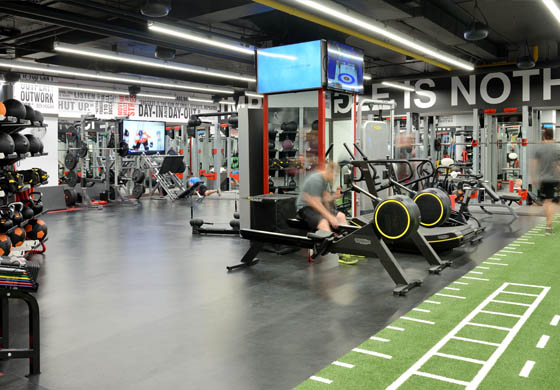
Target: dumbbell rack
<point>274,155</point>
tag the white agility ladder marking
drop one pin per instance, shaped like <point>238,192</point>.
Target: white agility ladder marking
<point>396,328</point>
<point>543,341</point>
<point>486,366</point>
<point>319,379</point>
<point>555,321</point>
<point>527,368</point>
<point>502,264</point>
<point>433,302</point>
<point>372,353</point>
<point>341,364</point>
<point>474,278</point>
<point>379,339</point>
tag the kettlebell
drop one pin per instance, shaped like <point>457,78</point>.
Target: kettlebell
<point>27,212</point>
<point>5,224</point>
<point>17,217</point>
<point>36,204</point>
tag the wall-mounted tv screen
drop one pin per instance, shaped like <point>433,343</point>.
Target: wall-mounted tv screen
<point>290,68</point>
<point>345,67</point>
<point>144,137</point>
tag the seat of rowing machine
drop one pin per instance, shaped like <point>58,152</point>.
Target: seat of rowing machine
<point>511,197</point>
<point>320,235</point>
<point>297,223</point>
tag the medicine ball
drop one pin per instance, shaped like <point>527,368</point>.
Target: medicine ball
<point>34,144</point>
<point>5,245</point>
<point>29,113</point>
<point>397,217</point>
<point>289,126</point>
<point>41,146</point>
<point>434,205</point>
<point>287,144</point>
<point>5,225</point>
<point>17,237</point>
<point>7,145</point>
<point>39,116</point>
<point>27,212</point>
<point>15,108</point>
<point>21,143</point>
<point>2,109</point>
<point>36,229</point>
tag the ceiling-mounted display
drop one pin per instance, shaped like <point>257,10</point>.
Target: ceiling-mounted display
<point>345,67</point>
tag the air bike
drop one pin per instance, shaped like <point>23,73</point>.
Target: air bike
<point>395,217</point>
<point>443,227</point>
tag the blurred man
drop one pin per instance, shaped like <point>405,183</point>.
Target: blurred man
<point>546,171</point>
<point>202,189</point>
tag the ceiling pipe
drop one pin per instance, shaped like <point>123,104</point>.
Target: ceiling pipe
<point>338,27</point>
<point>535,58</point>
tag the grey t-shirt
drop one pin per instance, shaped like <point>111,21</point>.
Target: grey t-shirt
<point>547,155</point>
<point>315,184</point>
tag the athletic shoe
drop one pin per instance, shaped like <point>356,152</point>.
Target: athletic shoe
<point>347,259</point>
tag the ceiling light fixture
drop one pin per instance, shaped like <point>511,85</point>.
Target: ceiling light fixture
<point>195,37</point>
<point>553,8</point>
<point>381,29</point>
<point>476,31</point>
<point>111,92</point>
<point>82,73</point>
<point>210,101</point>
<point>367,77</point>
<point>144,61</point>
<point>398,86</point>
<point>253,94</point>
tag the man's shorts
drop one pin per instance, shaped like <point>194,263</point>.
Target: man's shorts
<point>310,216</point>
<point>549,190</point>
<point>202,189</point>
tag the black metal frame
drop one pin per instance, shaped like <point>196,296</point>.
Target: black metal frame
<point>33,352</point>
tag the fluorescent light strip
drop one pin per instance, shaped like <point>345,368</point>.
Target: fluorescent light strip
<point>345,55</point>
<point>188,35</point>
<point>228,103</point>
<point>137,60</point>
<point>276,55</point>
<point>111,92</point>
<point>367,77</point>
<point>122,79</point>
<point>398,86</point>
<point>553,8</point>
<point>253,94</point>
<point>201,100</point>
<point>346,17</point>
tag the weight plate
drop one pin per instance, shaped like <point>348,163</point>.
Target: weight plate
<point>123,149</point>
<point>72,179</point>
<point>83,150</point>
<point>71,134</point>
<point>70,161</point>
<point>138,176</point>
<point>138,191</point>
<point>70,197</point>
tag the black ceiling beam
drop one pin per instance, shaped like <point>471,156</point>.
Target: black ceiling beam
<point>79,22</point>
<point>447,21</point>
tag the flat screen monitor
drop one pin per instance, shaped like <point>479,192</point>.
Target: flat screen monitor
<point>144,137</point>
<point>345,67</point>
<point>290,68</point>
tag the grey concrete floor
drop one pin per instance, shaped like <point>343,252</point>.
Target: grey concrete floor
<point>131,300</point>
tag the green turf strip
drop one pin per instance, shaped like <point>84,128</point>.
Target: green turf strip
<point>538,265</point>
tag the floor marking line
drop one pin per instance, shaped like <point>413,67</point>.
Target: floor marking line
<point>522,239</point>
<point>415,368</point>
<point>319,379</point>
<point>422,310</point>
<point>450,296</point>
<point>475,341</point>
<point>499,254</point>
<point>481,267</point>
<point>512,244</point>
<point>518,293</point>
<point>396,328</point>
<point>493,258</point>
<point>476,272</point>
<point>555,321</point>
<point>543,341</point>
<point>452,288</point>
<point>341,364</point>
<point>372,353</point>
<point>474,278</point>
<point>379,339</point>
<point>527,242</point>
<point>466,284</point>
<point>462,358</point>
<point>418,320</point>
<point>527,368</point>
<point>501,314</point>
<point>505,251</point>
<point>512,303</point>
<point>502,264</point>
<point>488,326</point>
<point>433,302</point>
<point>441,378</point>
